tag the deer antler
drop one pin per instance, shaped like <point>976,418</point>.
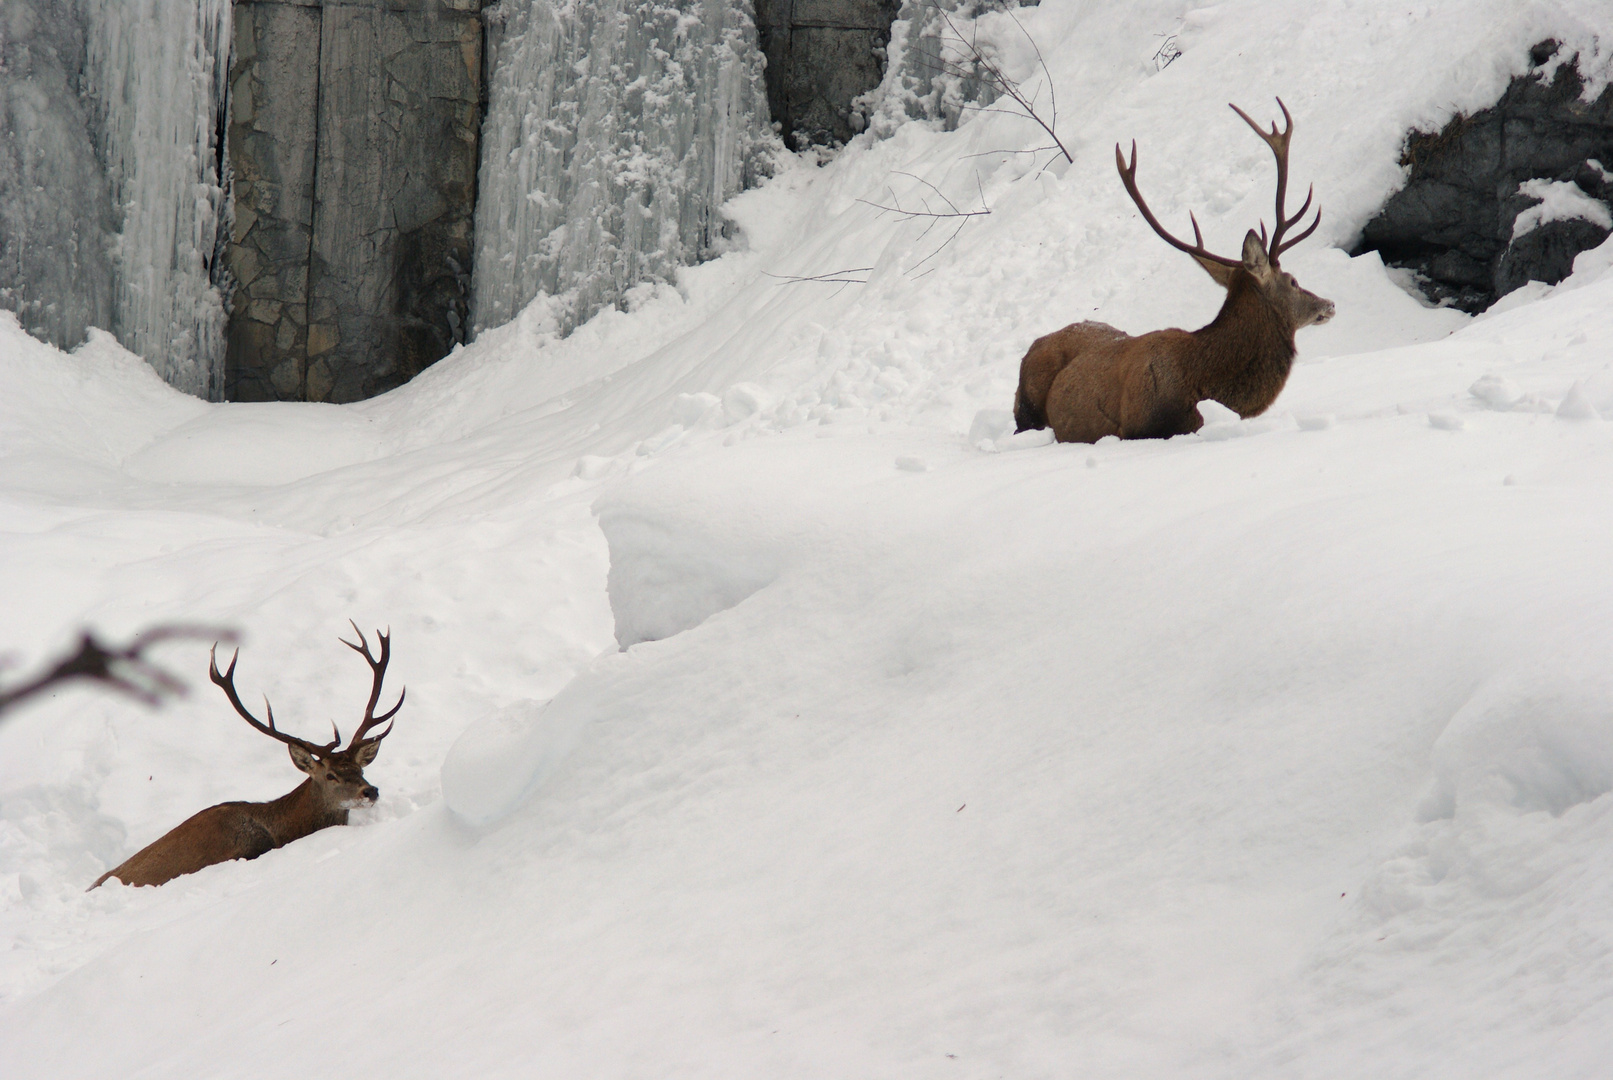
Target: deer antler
<point>1128,176</point>
<point>226,682</point>
<point>1278,141</point>
<point>378,666</point>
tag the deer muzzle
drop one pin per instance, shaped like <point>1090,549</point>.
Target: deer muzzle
<point>366,797</point>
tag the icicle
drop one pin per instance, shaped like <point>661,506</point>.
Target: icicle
<point>157,72</point>
<point>614,131</point>
<point>55,214</point>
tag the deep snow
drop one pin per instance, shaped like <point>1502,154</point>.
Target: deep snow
<point>1279,750</point>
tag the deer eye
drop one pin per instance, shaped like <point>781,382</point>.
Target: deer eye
<point>330,776</point>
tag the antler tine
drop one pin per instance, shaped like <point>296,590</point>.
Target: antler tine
<point>1128,177</point>
<point>1285,245</point>
<point>226,682</point>
<point>1278,141</point>
<point>378,668</point>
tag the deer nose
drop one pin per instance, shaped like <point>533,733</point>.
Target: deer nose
<point>370,793</point>
<point>1327,313</point>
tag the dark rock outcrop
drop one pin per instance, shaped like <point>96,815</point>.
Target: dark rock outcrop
<point>1453,222</point>
<point>821,54</point>
<point>353,137</point>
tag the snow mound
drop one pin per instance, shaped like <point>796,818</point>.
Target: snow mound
<point>502,759</point>
<point>670,572</point>
<point>1541,742</point>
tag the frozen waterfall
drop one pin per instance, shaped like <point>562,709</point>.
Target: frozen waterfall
<point>615,129</point>
<point>157,72</point>
<point>56,218</point>
<point>111,176</point>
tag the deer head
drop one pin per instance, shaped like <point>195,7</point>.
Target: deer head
<point>1260,265</point>
<point>337,775</point>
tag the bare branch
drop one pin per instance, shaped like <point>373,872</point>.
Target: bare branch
<point>125,670</point>
<point>1010,153</point>
<point>941,247</point>
<point>999,80</point>
<point>831,276</point>
<point>905,212</point>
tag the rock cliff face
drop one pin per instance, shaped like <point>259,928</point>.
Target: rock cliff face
<point>353,137</point>
<point>1507,195</point>
<point>310,167</point>
<point>821,54</point>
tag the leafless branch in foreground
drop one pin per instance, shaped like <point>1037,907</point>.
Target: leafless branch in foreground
<point>123,669</point>
<point>948,210</point>
<point>952,209</point>
<point>976,65</point>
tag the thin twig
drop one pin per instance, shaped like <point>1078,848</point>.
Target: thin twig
<point>1047,76</point>
<point>827,276</point>
<point>905,212</point>
<point>991,153</point>
<point>952,210</point>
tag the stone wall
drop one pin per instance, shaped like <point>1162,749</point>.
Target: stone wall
<point>820,55</point>
<point>353,139</point>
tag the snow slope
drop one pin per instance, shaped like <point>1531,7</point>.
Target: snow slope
<point>1279,750</point>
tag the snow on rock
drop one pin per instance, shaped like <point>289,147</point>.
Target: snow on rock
<point>1560,200</point>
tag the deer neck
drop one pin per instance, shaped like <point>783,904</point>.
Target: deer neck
<point>299,812</point>
<point>1243,357</point>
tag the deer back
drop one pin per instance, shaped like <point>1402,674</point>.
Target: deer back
<point>218,834</point>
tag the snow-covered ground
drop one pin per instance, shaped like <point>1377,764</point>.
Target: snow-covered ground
<point>1280,750</point>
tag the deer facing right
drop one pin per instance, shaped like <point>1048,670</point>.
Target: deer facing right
<point>1090,380</point>
<point>245,830</point>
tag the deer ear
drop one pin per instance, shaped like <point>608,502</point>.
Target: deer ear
<point>302,759</point>
<point>1254,256</point>
<point>1219,271</point>
<point>366,753</point>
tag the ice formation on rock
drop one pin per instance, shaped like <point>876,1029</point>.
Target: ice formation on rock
<point>55,213</point>
<point>111,176</point>
<point>615,129</point>
<point>156,75</point>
